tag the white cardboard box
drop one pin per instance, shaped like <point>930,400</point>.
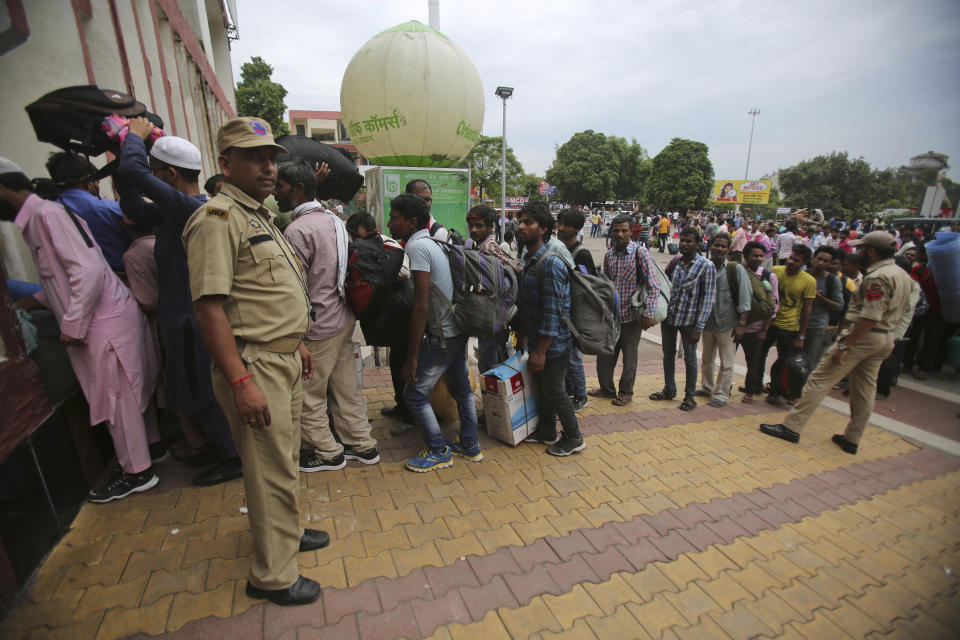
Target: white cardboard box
<point>509,402</point>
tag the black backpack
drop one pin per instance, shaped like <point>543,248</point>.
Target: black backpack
<point>372,269</point>
<point>70,117</point>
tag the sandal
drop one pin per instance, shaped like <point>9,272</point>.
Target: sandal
<point>662,395</point>
<point>622,401</point>
<point>688,405</point>
<point>747,398</point>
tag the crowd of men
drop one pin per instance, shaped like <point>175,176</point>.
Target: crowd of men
<point>247,332</point>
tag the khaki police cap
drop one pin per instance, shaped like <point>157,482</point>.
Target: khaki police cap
<point>246,133</point>
<point>877,240</point>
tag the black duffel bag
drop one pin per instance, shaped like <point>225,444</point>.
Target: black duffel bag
<point>344,180</point>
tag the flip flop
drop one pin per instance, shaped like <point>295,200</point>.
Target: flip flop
<point>661,395</point>
<point>688,405</point>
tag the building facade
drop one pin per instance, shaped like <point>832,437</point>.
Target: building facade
<point>326,127</point>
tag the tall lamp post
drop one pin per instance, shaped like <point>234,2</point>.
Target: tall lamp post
<point>753,113</point>
<point>503,93</point>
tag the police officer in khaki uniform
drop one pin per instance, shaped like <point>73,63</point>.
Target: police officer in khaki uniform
<point>253,311</point>
<point>866,340</point>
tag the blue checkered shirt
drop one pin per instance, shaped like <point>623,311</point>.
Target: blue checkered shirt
<point>692,293</point>
<point>541,308</point>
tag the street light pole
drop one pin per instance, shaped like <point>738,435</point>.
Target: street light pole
<point>503,93</point>
<point>753,113</point>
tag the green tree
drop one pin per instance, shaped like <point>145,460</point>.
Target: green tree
<point>632,172</point>
<point>259,96</point>
<point>585,169</point>
<point>835,183</point>
<point>484,161</point>
<point>682,176</point>
<point>529,186</point>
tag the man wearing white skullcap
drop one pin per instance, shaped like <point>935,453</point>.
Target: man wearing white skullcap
<point>169,177</point>
<point>106,334</point>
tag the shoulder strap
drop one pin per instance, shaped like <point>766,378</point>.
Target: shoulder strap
<point>436,226</point>
<point>76,223</point>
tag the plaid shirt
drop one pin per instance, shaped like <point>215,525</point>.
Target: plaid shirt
<point>541,309</point>
<point>620,267</point>
<point>692,293</point>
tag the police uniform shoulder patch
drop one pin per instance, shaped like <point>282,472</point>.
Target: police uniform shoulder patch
<point>218,213</point>
<point>874,291</point>
<point>266,237</point>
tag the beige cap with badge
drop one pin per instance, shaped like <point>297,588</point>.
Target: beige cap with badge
<point>246,133</point>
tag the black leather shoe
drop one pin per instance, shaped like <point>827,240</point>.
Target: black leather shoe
<point>303,591</point>
<point>314,539</point>
<point>780,431</point>
<point>391,411</point>
<point>223,472</point>
<point>845,444</point>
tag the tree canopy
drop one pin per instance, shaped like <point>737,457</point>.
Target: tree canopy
<point>681,176</point>
<point>260,97</point>
<point>484,160</point>
<point>592,166</point>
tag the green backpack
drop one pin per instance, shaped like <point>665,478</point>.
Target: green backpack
<point>762,305</point>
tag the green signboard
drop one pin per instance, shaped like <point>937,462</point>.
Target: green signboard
<point>451,193</point>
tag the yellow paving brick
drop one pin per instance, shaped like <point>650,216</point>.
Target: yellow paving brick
<point>682,571</point>
<point>852,620</point>
<point>536,509</point>
<point>221,570</point>
<point>601,515</point>
<point>81,629</point>
<point>630,509</point>
<point>572,605</point>
<point>411,495</point>
<point>767,544</point>
<point>531,531</point>
<point>150,619</point>
<point>489,628</point>
<point>224,526</point>
<point>345,547</point>
<point>193,606</point>
<point>444,507</point>
<point>784,570</point>
<point>706,629</point>
<point>502,536</point>
<point>30,615</point>
<point>693,602</point>
<point>597,497</point>
<point>538,490</point>
<point>474,502</point>
<point>754,579</point>
<point>650,581</point>
<point>611,594</point>
<point>819,628</point>
<point>499,517</point>
<point>372,503</point>
<point>529,619</point>
<point>328,574</point>
<point>390,518</point>
<point>569,521</point>
<point>406,560</point>
<point>615,624</point>
<point>80,576</point>
<point>656,615</point>
<point>241,601</point>
<point>97,597</point>
<point>461,525</point>
<point>724,590</point>
<point>740,552</point>
<point>579,631</point>
<point>162,583</point>
<point>459,547</point>
<point>568,503</point>
<point>375,542</point>
<point>360,569</point>
<point>713,561</point>
<point>357,523</point>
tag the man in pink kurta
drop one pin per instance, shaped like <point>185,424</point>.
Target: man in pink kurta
<point>107,336</point>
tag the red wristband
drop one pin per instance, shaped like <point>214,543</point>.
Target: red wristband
<point>241,380</point>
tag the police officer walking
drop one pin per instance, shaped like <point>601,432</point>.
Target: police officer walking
<point>865,341</point>
<point>253,311</point>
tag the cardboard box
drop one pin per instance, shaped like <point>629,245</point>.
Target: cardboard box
<point>509,402</point>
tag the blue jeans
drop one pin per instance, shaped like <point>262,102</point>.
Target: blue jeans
<point>668,336</point>
<point>576,381</point>
<point>491,351</point>
<point>432,362</point>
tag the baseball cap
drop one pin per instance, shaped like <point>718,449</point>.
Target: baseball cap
<point>9,166</point>
<point>177,152</point>
<point>246,133</point>
<point>875,239</point>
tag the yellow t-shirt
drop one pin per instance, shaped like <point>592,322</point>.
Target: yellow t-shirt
<point>794,290</point>
<point>664,224</point>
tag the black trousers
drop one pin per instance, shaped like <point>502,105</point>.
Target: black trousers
<point>784,341</point>
<point>553,399</point>
<point>752,350</point>
<point>398,356</point>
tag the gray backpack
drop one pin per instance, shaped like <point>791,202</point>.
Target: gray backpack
<point>593,310</point>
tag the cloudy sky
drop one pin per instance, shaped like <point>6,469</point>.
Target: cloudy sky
<point>877,79</point>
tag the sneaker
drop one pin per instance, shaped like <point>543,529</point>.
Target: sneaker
<point>312,462</point>
<point>565,446</point>
<point>428,460</point>
<point>579,402</point>
<point>123,485</point>
<point>473,453</point>
<point>370,456</point>
<point>540,438</point>
<point>159,452</point>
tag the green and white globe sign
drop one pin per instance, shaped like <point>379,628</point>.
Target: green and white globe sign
<point>412,98</point>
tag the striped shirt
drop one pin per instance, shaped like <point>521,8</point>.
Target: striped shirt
<point>620,267</point>
<point>692,293</point>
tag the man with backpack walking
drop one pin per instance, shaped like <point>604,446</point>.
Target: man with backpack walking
<point>544,304</point>
<point>629,266</point>
<point>436,346</point>
<point>691,299</point>
<point>569,223</point>
<point>319,238</point>
<point>725,324</point>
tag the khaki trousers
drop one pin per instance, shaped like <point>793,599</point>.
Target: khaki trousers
<point>862,362</point>
<point>270,459</point>
<point>334,373</point>
<point>718,385</point>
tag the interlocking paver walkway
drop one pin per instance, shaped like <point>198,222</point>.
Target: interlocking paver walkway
<point>669,525</point>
